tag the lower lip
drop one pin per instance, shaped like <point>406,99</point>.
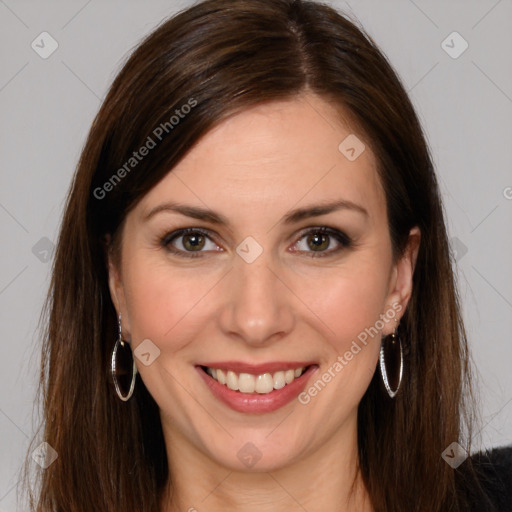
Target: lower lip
<point>256,402</point>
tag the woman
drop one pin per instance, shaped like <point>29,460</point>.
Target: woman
<point>252,304</point>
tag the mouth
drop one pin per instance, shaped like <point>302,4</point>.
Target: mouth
<point>256,389</point>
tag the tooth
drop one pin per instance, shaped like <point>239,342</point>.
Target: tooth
<point>289,376</point>
<point>221,376</point>
<point>232,380</point>
<point>298,371</point>
<point>246,383</point>
<point>264,383</point>
<point>279,381</point>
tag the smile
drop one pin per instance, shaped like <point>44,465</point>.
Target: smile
<point>256,388</point>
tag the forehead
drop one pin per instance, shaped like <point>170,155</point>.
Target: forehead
<point>274,156</point>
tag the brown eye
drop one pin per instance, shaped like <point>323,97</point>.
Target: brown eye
<point>189,242</point>
<point>318,241</point>
<point>322,241</point>
<point>193,242</point>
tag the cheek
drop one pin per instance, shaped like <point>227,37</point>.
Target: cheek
<point>347,300</point>
<point>167,304</point>
<point>348,310</point>
<point>156,299</point>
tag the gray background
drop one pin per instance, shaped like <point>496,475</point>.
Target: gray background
<point>47,106</point>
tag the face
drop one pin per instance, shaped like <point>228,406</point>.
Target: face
<point>286,265</point>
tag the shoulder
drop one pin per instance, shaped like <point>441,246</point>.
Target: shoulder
<point>494,469</point>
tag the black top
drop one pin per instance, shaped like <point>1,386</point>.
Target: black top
<point>495,469</point>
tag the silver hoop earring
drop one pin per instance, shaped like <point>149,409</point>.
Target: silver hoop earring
<point>123,367</point>
<point>391,350</point>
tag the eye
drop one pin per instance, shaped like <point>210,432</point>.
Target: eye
<point>186,242</point>
<point>318,240</point>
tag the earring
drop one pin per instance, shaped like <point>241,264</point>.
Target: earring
<point>391,349</point>
<point>122,360</point>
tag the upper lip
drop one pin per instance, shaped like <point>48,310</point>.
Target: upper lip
<point>257,369</point>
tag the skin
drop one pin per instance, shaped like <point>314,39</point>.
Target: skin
<point>286,305</point>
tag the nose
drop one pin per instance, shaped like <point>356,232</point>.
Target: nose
<point>258,306</point>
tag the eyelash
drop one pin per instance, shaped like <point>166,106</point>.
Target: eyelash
<point>345,241</point>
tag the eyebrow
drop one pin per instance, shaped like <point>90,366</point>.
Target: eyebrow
<point>292,217</point>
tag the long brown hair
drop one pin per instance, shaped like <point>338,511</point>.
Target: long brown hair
<point>220,57</point>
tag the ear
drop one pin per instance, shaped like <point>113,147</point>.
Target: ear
<point>401,282</point>
<point>115,284</point>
